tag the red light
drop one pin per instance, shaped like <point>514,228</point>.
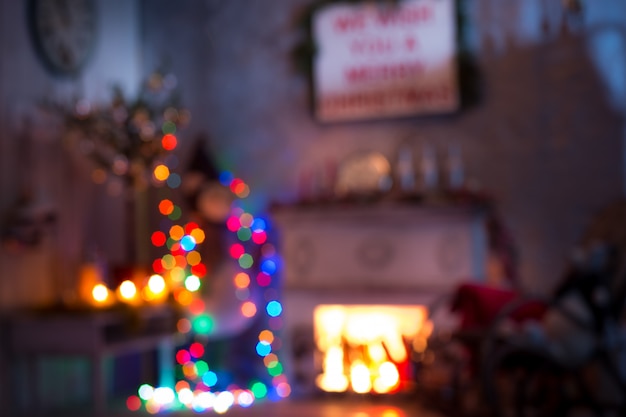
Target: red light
<point>181,261</point>
<point>196,350</point>
<point>236,250</point>
<point>236,184</point>
<point>177,250</point>
<point>157,266</point>
<point>133,403</point>
<point>233,224</point>
<point>259,237</point>
<point>158,239</point>
<point>263,279</point>
<point>190,227</point>
<point>182,357</point>
<point>169,142</point>
<point>166,207</point>
<point>196,307</point>
<point>199,270</point>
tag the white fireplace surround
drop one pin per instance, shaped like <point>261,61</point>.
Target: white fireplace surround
<point>374,254</point>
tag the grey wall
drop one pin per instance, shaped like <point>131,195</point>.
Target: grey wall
<point>31,275</point>
<point>34,275</point>
<point>546,140</point>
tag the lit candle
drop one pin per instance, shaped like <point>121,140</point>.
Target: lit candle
<point>156,290</point>
<point>127,293</point>
<point>101,296</point>
<point>89,276</point>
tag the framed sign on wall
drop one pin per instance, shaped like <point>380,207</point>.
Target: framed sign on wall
<point>377,61</point>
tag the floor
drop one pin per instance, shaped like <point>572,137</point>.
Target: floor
<point>341,407</point>
<point>332,408</point>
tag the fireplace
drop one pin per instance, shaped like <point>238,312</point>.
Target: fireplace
<point>365,348</point>
<point>358,281</point>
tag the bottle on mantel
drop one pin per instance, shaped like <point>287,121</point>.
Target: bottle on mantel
<point>454,172</point>
<point>405,171</point>
<point>429,172</point>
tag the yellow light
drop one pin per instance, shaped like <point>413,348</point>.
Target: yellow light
<point>246,219</point>
<point>189,370</point>
<point>156,284</point>
<point>360,378</point>
<point>177,232</point>
<point>242,280</point>
<point>194,258</point>
<point>184,297</point>
<point>198,235</point>
<point>388,378</point>
<point>266,336</point>
<point>177,274</point>
<point>156,290</point>
<point>128,291</point>
<point>248,309</point>
<point>100,293</point>
<point>333,378</point>
<point>377,352</point>
<point>161,172</point>
<point>379,331</point>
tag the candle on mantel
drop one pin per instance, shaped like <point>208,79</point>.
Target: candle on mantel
<point>127,293</point>
<point>156,291</point>
<point>88,278</point>
<point>101,296</point>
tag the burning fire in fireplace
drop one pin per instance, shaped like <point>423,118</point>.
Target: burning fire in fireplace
<point>366,348</point>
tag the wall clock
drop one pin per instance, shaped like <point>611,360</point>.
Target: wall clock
<point>64,33</point>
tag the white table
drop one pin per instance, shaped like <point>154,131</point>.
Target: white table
<point>94,335</point>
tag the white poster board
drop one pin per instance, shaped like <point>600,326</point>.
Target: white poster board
<point>378,60</point>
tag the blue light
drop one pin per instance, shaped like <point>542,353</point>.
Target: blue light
<point>274,308</point>
<point>258,224</point>
<point>188,243</point>
<point>263,348</point>
<point>268,266</point>
<point>174,180</point>
<point>226,178</point>
<point>209,378</point>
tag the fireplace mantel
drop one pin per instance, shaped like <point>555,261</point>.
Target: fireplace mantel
<point>381,247</point>
<point>370,254</point>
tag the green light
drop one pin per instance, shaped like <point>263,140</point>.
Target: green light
<point>168,261</point>
<point>146,392</point>
<point>275,370</point>
<point>259,390</point>
<point>192,283</point>
<point>169,127</point>
<point>176,213</point>
<point>246,261</point>
<point>203,324</point>
<point>244,234</point>
<point>202,368</point>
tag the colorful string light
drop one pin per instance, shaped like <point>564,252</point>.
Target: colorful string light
<point>182,272</point>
